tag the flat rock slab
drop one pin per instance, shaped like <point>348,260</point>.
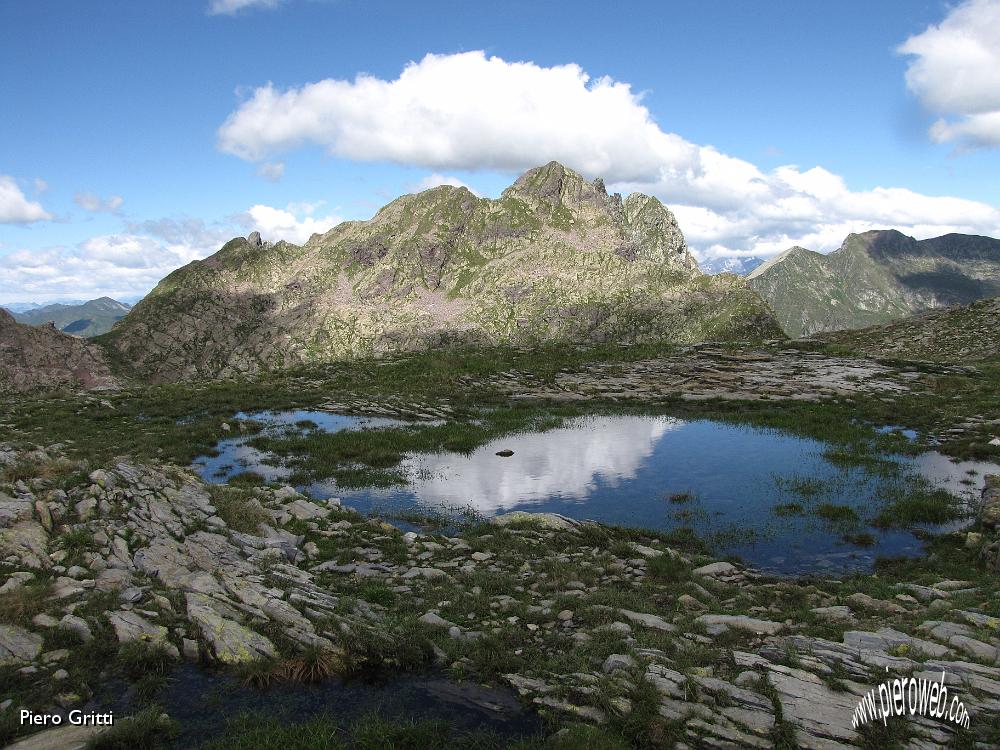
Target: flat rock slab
<point>741,622</point>
<point>58,738</point>
<point>545,520</point>
<point>232,642</point>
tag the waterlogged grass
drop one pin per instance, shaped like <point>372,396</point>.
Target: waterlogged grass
<point>916,504</point>
<point>837,514</point>
<point>371,457</point>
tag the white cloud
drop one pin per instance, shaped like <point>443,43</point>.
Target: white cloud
<point>437,180</point>
<point>955,71</point>
<point>294,223</point>
<point>470,112</point>
<point>96,204</point>
<point>118,265</point>
<point>131,262</point>
<point>272,171</point>
<point>231,7</point>
<point>15,208</point>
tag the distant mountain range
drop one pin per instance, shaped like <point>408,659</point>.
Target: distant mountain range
<point>876,277</point>
<point>85,319</point>
<point>555,258</point>
<point>739,266</point>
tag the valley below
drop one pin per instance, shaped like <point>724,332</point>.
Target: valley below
<point>717,545</point>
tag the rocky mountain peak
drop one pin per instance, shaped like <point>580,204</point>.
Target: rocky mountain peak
<point>556,185</point>
<point>555,258</point>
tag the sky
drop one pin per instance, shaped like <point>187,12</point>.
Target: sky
<point>138,137</point>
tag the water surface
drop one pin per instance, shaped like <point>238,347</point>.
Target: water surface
<point>659,472</point>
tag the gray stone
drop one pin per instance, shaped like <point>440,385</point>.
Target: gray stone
<point>231,642</point>
<point>18,646</point>
<point>716,570</point>
<point>435,620</point>
<point>77,625</point>
<point>617,662</point>
<point>742,622</point>
<point>649,621</point>
<point>545,520</point>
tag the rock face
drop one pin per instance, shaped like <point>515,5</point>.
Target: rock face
<point>34,359</point>
<point>85,320</point>
<point>555,258</point>
<point>876,277</point>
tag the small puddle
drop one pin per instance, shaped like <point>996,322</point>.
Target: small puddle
<point>658,472</point>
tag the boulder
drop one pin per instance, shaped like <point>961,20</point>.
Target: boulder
<point>18,646</point>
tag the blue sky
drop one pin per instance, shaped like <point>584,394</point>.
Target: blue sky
<point>139,136</point>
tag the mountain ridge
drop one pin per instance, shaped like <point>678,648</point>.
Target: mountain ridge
<point>875,277</point>
<point>554,258</point>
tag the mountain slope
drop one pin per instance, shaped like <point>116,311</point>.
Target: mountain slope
<point>86,319</point>
<point>876,277</point>
<point>42,358</point>
<point>555,258</point>
<point>951,334</point>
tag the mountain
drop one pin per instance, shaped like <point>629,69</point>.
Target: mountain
<point>42,358</point>
<point>876,277</point>
<point>739,266</point>
<point>86,319</point>
<point>555,258</point>
<point>951,334</point>
<point>19,307</point>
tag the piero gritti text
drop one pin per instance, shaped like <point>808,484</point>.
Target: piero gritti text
<point>74,718</point>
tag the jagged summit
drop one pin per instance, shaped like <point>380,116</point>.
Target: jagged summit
<point>553,258</point>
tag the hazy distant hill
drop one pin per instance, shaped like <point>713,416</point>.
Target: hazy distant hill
<point>739,266</point>
<point>555,258</point>
<point>876,277</point>
<point>85,319</point>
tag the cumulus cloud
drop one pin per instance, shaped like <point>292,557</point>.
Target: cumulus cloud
<point>955,71</point>
<point>118,265</point>
<point>472,112</point>
<point>232,7</point>
<point>96,204</point>
<point>272,171</point>
<point>437,180</point>
<point>15,208</point>
<point>131,262</point>
<point>295,223</point>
